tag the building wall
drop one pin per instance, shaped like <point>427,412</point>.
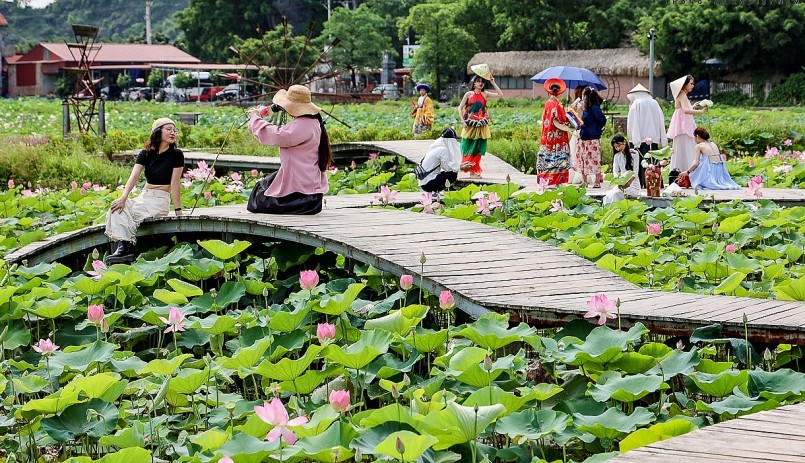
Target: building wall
<point>625,83</point>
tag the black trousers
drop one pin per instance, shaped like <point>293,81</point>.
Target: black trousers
<point>439,183</point>
<point>294,203</point>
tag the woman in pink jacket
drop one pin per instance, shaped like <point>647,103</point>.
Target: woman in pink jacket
<point>298,187</point>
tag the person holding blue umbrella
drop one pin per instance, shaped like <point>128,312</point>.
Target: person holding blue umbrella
<point>553,158</point>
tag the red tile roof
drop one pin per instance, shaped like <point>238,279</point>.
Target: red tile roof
<point>126,53</point>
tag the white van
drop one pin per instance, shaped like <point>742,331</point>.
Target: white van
<point>201,78</point>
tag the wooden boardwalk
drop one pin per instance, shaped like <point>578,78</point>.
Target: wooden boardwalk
<point>765,437</point>
<point>486,268</point>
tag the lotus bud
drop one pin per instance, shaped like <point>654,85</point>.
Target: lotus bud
<point>715,227</point>
<point>487,363</point>
<point>400,446</point>
<point>265,292</point>
<point>406,379</point>
<point>422,259</point>
<point>767,355</point>
<point>95,254</point>
<point>745,319</point>
<point>395,393</point>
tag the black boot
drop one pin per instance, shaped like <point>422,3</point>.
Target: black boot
<point>123,253</point>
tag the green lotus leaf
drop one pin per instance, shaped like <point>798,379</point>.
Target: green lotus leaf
<point>388,365</point>
<point>397,321</point>
<point>491,331</point>
<point>491,395</point>
<point>426,340</point>
<point>285,322</point>
<point>322,418</point>
<point>230,293</point>
<point>54,310</point>
<point>699,216</point>
<point>730,284</point>
<point>741,263</point>
<point>164,367</point>
<point>200,269</point>
<point>791,290</point>
<point>662,153</point>
<point>222,250</point>
<point>339,303</point>
<point>215,325</point>
<point>188,380</point>
<point>709,366</point>
<point>256,287</point>
<point>779,385</point>
<point>390,413</point>
<point>27,384</point>
<point>247,357</point>
<point>125,277</point>
<point>78,420</point>
<point>306,383</point>
<point>412,445</point>
<point>371,344</point>
<point>657,350</point>
<point>40,269</point>
<point>627,389</point>
<point>457,424</point>
<point>131,437</point>
<point>6,293</point>
<point>656,433</point>
<point>90,286</point>
<point>644,258</point>
<point>731,225</point>
<point>678,362</point>
<point>81,358</point>
<point>603,345</point>
<point>211,439</point>
<point>737,405</point>
<point>532,424</point>
<point>595,249</point>
<point>613,423</point>
<point>52,404</point>
<point>633,362</point>
<point>288,369</point>
<point>169,297</point>
<point>773,271</point>
<point>246,448</point>
<point>104,386</point>
<point>324,446</point>
<point>721,384</point>
<point>462,212</point>
<point>127,455</point>
<point>611,262</point>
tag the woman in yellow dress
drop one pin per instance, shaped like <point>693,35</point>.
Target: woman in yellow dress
<point>423,111</point>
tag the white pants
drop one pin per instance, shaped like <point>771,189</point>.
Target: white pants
<point>122,226</point>
<point>684,154</point>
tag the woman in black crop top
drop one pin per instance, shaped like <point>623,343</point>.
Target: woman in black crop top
<point>163,164</point>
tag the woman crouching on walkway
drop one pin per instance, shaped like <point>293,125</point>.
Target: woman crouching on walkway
<point>163,164</point>
<point>299,185</point>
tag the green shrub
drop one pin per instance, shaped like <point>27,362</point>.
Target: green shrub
<point>732,98</point>
<point>792,91</point>
<point>58,163</point>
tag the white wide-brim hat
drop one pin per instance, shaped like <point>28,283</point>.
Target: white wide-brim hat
<point>676,86</point>
<point>639,88</point>
<point>296,101</point>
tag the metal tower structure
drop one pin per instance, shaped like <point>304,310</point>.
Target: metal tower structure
<point>83,99</point>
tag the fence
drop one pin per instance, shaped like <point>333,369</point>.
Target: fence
<point>747,88</point>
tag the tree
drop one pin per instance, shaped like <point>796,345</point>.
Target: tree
<point>358,47</point>
<point>392,11</point>
<point>446,45</point>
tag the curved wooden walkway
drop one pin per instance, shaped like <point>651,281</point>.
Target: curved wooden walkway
<point>764,437</point>
<point>486,268</point>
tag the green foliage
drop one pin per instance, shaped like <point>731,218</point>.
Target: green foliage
<point>183,80</point>
<point>124,80</point>
<point>357,48</point>
<point>154,79</point>
<point>792,91</point>
<point>64,87</point>
<point>277,52</point>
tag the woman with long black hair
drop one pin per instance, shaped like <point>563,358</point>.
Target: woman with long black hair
<point>299,185</point>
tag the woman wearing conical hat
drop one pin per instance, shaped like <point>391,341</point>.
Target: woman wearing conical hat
<point>475,120</point>
<point>682,125</point>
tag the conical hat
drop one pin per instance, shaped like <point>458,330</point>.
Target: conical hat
<point>676,86</point>
<point>638,88</point>
<point>482,70</point>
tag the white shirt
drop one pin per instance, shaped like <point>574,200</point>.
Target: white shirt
<point>444,153</point>
<point>645,120</point>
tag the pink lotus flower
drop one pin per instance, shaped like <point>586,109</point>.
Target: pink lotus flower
<point>406,282</point>
<point>784,169</point>
<point>262,111</point>
<point>73,185</point>
<point>664,162</point>
<point>446,300</point>
<point>27,193</point>
<point>207,194</point>
<point>95,314</point>
<point>772,152</point>
<point>755,186</point>
<point>600,307</point>
<point>308,279</point>
<point>235,176</point>
<point>275,414</point>
<point>339,399</point>
<point>557,206</point>
<point>325,332</point>
<point>254,172</point>
<point>87,185</point>
<point>353,166</point>
<point>10,183</point>
<point>730,248</point>
<point>97,266</point>
<point>226,459</point>
<point>494,200</point>
<point>45,347</point>
<point>788,142</point>
<point>751,162</point>
<point>387,195</point>
<point>654,229</point>
<point>483,206</point>
<point>373,156</point>
<point>174,320</point>
<point>428,205</point>
<point>542,185</point>
<point>332,169</point>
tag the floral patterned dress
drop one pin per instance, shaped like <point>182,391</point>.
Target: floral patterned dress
<point>475,135</point>
<point>553,158</point>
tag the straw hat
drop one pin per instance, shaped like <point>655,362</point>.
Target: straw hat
<point>638,89</point>
<point>421,86</point>
<point>295,101</point>
<point>482,70</point>
<point>676,86</point>
<point>555,81</point>
<point>159,123</point>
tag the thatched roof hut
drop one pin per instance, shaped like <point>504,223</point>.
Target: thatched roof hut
<point>603,61</point>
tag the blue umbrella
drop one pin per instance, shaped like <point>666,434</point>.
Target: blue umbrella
<point>574,77</point>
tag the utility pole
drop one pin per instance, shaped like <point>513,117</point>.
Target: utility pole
<point>148,22</point>
<point>650,35</point>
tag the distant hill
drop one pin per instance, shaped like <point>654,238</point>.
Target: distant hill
<point>118,21</point>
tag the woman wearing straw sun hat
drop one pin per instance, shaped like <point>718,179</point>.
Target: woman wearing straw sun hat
<point>682,125</point>
<point>475,120</point>
<point>553,158</point>
<point>299,185</point>
<point>423,110</point>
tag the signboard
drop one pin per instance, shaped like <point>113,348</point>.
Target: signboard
<point>408,54</point>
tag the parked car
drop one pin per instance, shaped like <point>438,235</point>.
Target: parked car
<point>202,93</point>
<point>235,92</point>
<point>389,91</point>
<point>140,93</point>
<point>111,92</point>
